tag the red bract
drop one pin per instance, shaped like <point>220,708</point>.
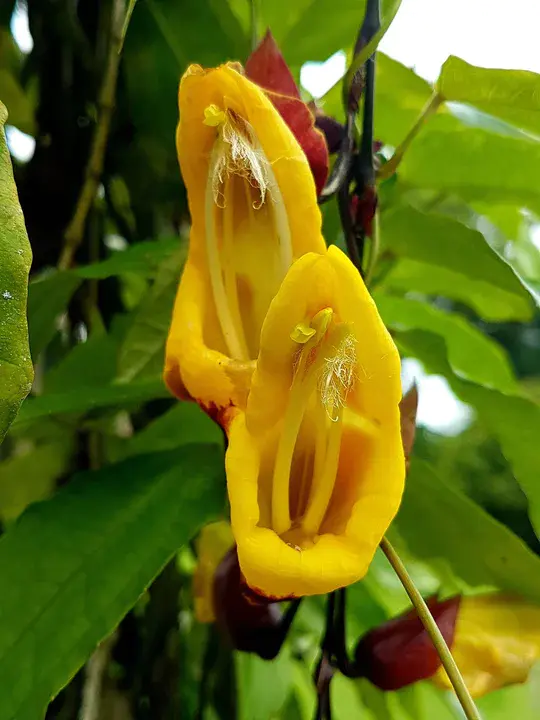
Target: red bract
<point>266,67</point>
<point>400,652</point>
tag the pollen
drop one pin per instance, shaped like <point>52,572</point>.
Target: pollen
<point>236,152</point>
<point>338,376</point>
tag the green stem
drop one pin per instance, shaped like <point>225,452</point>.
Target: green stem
<point>367,51</point>
<point>431,107</point>
<point>253,23</point>
<point>449,664</point>
<point>373,248</point>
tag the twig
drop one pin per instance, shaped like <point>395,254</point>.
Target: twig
<point>367,50</point>
<point>449,664</point>
<point>253,23</point>
<point>431,107</point>
<point>373,248</point>
<point>96,668</point>
<point>75,231</point>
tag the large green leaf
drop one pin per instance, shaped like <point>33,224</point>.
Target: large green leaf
<point>400,96</point>
<point>48,297</point>
<point>89,398</point>
<point>490,302</point>
<point>31,476</point>
<point>514,421</point>
<point>263,686</point>
<point>473,163</point>
<point>440,240</point>
<point>142,258</point>
<point>143,348</point>
<point>72,566</point>
<point>471,354</point>
<point>16,371</point>
<point>184,423</point>
<point>509,94</point>
<point>438,523</point>
<point>295,26</point>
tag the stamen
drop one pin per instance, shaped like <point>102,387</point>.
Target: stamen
<point>223,309</point>
<point>303,385</point>
<point>323,483</point>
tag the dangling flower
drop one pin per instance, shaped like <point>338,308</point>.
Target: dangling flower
<point>213,543</point>
<point>494,638</point>
<point>253,209</point>
<point>315,466</point>
<point>496,642</point>
<point>249,623</point>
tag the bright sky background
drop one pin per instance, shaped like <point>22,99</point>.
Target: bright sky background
<point>490,33</point>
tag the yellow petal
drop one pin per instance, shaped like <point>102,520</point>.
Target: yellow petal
<point>213,543</point>
<point>248,259</point>
<point>368,483</point>
<point>496,643</point>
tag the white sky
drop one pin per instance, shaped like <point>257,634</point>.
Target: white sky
<point>489,33</point>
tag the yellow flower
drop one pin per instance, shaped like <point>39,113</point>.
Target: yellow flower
<point>212,545</point>
<point>315,466</point>
<point>496,642</point>
<point>254,210</point>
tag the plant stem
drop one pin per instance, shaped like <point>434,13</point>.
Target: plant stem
<point>74,233</point>
<point>367,51</point>
<point>373,248</point>
<point>430,108</point>
<point>449,664</point>
<point>96,669</point>
<point>253,23</point>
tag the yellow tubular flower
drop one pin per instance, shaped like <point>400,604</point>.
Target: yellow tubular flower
<point>254,210</point>
<point>213,543</point>
<point>496,642</point>
<point>315,466</point>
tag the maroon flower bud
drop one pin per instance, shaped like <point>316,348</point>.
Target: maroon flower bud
<point>400,652</point>
<point>332,129</point>
<point>363,208</point>
<point>250,623</point>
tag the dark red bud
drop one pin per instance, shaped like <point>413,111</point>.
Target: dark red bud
<point>333,131</point>
<point>400,652</point>
<point>363,208</point>
<point>407,409</point>
<point>250,623</point>
<point>266,67</point>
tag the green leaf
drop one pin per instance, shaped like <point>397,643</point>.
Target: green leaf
<point>16,101</point>
<point>440,240</point>
<point>101,542</point>
<point>30,477</point>
<point>48,297</point>
<point>509,94</point>
<point>514,421</point>
<point>437,522</point>
<point>473,163</point>
<point>263,686</point>
<point>471,354</point>
<point>184,423</point>
<point>16,371</point>
<point>400,96</point>
<point>89,398</point>
<point>144,344</point>
<point>142,258</point>
<point>490,302</point>
<point>291,23</point>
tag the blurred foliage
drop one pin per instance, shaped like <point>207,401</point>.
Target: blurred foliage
<point>458,283</point>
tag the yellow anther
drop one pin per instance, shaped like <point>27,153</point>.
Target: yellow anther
<point>214,116</point>
<point>302,333</point>
<point>315,329</point>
